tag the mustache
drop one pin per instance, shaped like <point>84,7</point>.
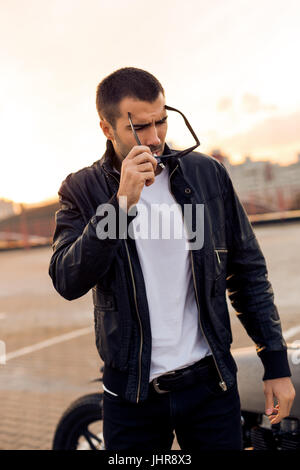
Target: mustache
<point>156,149</point>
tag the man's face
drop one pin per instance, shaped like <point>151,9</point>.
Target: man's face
<point>150,123</point>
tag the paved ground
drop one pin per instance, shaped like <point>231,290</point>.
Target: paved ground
<point>36,387</point>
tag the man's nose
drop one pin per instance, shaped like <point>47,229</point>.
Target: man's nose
<point>151,137</point>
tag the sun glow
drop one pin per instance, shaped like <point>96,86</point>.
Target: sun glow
<point>236,81</point>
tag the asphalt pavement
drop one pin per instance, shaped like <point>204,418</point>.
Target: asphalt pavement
<point>50,342</point>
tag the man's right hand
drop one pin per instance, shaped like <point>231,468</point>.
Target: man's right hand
<point>137,169</point>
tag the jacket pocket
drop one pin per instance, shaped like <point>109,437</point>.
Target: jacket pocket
<point>220,261</point>
<point>111,339</point>
<point>220,271</point>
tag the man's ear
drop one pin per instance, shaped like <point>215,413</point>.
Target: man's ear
<point>106,129</point>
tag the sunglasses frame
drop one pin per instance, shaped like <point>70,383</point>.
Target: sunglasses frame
<point>179,153</point>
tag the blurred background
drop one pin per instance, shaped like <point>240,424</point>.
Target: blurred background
<point>231,66</point>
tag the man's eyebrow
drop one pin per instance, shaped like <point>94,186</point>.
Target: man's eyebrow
<point>148,123</point>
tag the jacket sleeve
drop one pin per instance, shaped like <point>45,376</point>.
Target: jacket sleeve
<point>80,257</point>
<point>249,289</point>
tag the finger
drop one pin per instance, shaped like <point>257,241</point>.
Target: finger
<point>275,410</point>
<point>274,414</point>
<point>137,150</point>
<point>276,419</point>
<point>148,177</point>
<point>142,167</point>
<point>283,408</point>
<point>145,157</point>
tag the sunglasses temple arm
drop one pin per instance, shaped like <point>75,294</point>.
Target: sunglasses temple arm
<point>133,130</point>
<point>186,122</point>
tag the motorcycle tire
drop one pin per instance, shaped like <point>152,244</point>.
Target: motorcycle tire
<point>73,427</point>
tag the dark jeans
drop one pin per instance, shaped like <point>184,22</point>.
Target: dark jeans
<point>202,415</point>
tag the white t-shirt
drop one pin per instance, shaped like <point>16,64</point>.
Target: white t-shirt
<point>176,336</point>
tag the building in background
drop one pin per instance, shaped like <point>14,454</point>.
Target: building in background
<point>7,208</point>
<point>33,225</point>
<point>263,186</point>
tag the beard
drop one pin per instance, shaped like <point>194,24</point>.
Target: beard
<point>121,149</point>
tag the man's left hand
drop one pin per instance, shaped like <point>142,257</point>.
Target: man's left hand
<point>283,390</point>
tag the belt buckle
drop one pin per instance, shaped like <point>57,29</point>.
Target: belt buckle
<point>156,386</point>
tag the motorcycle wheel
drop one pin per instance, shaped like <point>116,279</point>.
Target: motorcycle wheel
<point>80,426</point>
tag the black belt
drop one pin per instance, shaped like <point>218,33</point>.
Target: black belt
<point>181,378</point>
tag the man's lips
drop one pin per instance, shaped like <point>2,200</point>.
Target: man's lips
<point>156,152</point>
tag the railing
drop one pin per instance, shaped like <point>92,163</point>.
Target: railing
<point>35,226</point>
<point>275,217</point>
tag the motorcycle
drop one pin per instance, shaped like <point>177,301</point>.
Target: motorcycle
<point>80,426</point>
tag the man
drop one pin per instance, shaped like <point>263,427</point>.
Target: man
<point>161,319</point>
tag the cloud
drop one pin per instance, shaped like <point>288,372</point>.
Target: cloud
<point>279,131</point>
<point>224,104</point>
<point>248,103</point>
<point>252,104</point>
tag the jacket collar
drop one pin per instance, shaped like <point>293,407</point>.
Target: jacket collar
<point>108,158</point>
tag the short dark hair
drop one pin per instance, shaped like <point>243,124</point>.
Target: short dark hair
<point>125,82</point>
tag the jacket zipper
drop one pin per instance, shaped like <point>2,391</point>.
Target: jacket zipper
<point>222,383</point>
<point>140,323</point>
<point>138,315</point>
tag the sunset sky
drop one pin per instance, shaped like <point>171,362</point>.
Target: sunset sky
<point>232,66</point>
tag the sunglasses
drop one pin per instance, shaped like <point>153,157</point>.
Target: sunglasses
<point>179,153</point>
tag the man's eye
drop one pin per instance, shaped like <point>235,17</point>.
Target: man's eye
<point>140,128</point>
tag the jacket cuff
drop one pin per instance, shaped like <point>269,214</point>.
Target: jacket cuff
<point>275,363</point>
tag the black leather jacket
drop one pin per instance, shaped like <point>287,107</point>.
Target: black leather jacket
<point>230,259</point>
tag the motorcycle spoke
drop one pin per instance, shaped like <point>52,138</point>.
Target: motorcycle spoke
<point>94,436</point>
<point>89,436</point>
